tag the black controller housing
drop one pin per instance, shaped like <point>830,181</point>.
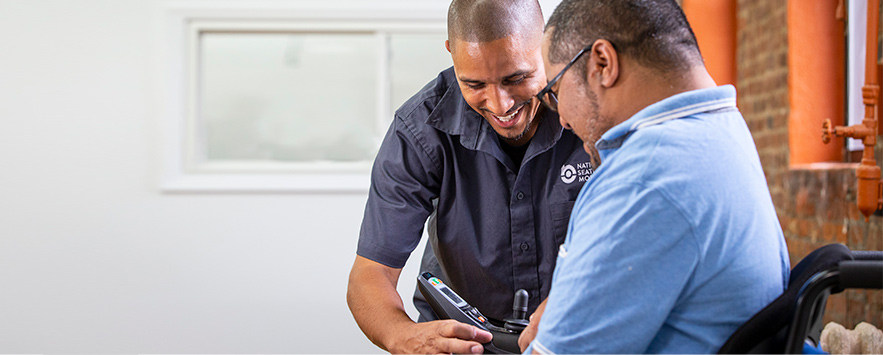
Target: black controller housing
<point>448,305</point>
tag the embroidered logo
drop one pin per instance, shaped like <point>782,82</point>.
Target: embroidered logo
<point>580,173</point>
<point>568,173</point>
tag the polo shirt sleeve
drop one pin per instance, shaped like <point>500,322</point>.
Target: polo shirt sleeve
<point>628,256</point>
<point>404,181</point>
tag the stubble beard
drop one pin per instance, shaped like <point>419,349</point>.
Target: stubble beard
<point>529,117</point>
<point>595,126</point>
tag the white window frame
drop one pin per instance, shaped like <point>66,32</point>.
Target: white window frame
<point>856,48</point>
<point>184,171</point>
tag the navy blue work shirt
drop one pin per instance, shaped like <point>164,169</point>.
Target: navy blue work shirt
<point>494,228</point>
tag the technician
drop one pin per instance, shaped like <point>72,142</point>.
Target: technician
<point>476,154</point>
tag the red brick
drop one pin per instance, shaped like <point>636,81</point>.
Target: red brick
<point>835,309</point>
<point>841,235</point>
<point>804,227</point>
<point>836,210</point>
<point>802,203</point>
<point>855,236</point>
<point>833,232</point>
<point>813,206</point>
<point>855,312</point>
<point>792,228</point>
<point>875,235</point>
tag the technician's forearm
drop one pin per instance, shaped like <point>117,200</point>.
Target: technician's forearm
<point>375,303</point>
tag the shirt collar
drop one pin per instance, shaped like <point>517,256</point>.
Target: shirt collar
<point>453,116</point>
<point>674,107</point>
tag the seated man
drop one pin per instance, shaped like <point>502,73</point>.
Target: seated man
<point>674,242</point>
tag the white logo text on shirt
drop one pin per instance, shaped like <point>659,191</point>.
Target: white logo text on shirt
<point>581,172</point>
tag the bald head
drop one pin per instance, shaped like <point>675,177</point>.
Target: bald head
<point>481,21</point>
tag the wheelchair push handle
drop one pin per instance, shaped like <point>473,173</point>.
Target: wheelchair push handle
<point>861,274</point>
<point>867,255</point>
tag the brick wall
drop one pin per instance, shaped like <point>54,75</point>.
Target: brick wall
<point>816,206</point>
<point>762,83</point>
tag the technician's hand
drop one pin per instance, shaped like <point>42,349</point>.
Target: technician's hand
<point>440,337</point>
<point>529,333</point>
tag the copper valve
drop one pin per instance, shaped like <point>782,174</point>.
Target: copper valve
<point>869,187</point>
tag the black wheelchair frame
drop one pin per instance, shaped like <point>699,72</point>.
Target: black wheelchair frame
<point>795,317</point>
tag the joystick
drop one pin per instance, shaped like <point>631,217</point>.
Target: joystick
<point>448,305</point>
<point>519,312</point>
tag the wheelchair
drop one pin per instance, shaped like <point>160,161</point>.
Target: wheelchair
<point>794,319</point>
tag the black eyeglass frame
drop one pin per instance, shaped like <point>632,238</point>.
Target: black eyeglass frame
<point>553,104</point>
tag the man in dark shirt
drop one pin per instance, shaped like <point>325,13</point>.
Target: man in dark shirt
<point>493,171</point>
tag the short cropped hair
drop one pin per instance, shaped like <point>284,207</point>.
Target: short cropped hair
<point>488,20</point>
<point>655,33</point>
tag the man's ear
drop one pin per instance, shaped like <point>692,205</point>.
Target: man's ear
<point>604,62</point>
<point>448,45</point>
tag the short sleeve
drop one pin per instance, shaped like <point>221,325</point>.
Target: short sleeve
<point>404,181</point>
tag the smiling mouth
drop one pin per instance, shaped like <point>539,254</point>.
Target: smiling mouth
<point>508,118</point>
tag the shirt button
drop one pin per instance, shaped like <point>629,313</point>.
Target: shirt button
<point>519,195</point>
<point>525,246</point>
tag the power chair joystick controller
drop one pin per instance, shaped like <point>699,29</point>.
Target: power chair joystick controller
<point>448,305</point>
<point>519,313</point>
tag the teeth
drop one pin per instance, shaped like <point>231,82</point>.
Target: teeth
<point>508,118</point>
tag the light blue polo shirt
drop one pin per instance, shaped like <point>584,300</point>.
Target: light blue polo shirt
<point>674,242</point>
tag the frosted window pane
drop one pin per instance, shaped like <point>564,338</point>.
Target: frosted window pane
<point>415,60</point>
<point>288,97</point>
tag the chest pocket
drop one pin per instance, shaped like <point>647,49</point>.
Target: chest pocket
<point>560,218</point>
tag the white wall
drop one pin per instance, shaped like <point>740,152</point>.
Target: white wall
<point>95,258</point>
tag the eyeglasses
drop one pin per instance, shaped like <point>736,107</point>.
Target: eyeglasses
<point>546,96</point>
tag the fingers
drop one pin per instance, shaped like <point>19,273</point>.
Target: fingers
<point>454,333</point>
<point>439,337</point>
<point>482,336</point>
<point>457,346</point>
<point>527,336</point>
<point>529,333</point>
<point>454,329</point>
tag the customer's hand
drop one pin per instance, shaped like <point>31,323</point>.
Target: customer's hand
<point>529,333</point>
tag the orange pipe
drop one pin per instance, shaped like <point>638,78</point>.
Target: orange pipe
<point>868,173</point>
<point>714,23</point>
<point>815,84</point>
<point>869,192</point>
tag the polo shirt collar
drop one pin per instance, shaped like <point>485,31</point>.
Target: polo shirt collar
<point>453,116</point>
<point>674,107</point>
